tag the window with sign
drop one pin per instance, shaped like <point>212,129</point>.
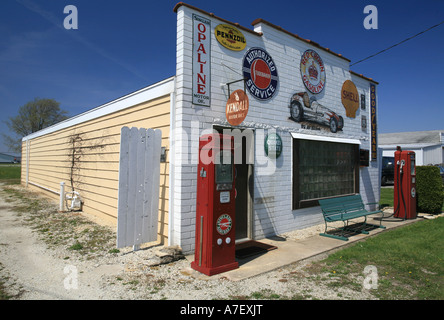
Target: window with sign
<point>323,169</point>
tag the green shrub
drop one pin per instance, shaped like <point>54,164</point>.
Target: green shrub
<point>429,189</point>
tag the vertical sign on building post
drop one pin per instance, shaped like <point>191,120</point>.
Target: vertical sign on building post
<point>374,142</point>
<point>201,60</point>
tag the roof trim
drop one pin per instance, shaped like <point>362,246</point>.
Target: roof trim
<point>260,20</point>
<point>180,4</point>
<point>406,146</point>
<point>315,44</point>
<point>159,89</point>
<point>364,77</point>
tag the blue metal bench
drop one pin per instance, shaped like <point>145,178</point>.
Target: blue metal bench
<point>344,209</point>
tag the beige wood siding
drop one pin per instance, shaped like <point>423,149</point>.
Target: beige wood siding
<point>93,168</point>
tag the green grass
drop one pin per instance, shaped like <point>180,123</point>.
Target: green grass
<point>386,197</point>
<point>409,262</point>
<point>10,173</point>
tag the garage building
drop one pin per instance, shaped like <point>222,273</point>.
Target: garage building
<point>303,95</point>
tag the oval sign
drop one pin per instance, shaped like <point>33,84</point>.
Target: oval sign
<point>260,73</point>
<point>313,71</point>
<point>273,145</point>
<point>237,107</point>
<point>224,224</point>
<point>230,37</point>
<point>350,98</point>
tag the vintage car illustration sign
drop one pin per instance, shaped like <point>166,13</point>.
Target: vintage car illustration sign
<point>237,107</point>
<point>306,108</point>
<point>260,73</point>
<point>230,37</point>
<point>313,71</point>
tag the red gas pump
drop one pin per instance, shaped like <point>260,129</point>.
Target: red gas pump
<point>405,185</point>
<point>215,206</point>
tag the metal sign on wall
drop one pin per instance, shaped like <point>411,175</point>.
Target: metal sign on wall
<point>237,107</point>
<point>273,145</point>
<point>350,98</point>
<point>201,60</point>
<point>260,73</point>
<point>313,71</point>
<point>374,142</point>
<point>230,37</point>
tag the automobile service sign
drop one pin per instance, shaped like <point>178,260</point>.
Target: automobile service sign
<point>237,107</point>
<point>313,71</point>
<point>230,37</point>
<point>260,73</point>
<point>224,224</point>
<point>201,60</point>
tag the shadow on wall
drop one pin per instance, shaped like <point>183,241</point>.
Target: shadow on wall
<point>268,192</point>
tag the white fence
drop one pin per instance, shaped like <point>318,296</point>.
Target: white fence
<point>139,179</point>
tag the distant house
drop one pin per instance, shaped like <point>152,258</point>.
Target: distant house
<point>6,158</point>
<point>428,145</point>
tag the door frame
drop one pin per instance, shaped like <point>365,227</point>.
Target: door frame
<point>250,181</point>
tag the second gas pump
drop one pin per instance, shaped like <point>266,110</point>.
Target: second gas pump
<point>405,184</point>
<point>215,206</point>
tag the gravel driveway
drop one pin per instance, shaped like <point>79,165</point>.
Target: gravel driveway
<point>39,262</point>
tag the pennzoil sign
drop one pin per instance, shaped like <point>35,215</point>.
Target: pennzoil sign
<point>230,37</point>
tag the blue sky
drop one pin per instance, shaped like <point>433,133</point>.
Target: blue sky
<point>122,46</point>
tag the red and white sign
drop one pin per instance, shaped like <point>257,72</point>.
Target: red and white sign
<point>201,60</point>
<point>260,73</point>
<point>223,224</point>
<point>313,71</point>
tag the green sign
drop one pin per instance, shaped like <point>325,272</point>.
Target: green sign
<point>273,145</point>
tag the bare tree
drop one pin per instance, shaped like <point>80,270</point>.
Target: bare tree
<point>32,117</point>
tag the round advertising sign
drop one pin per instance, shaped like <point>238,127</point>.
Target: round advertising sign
<point>260,73</point>
<point>237,107</point>
<point>273,145</point>
<point>224,224</point>
<point>313,71</point>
